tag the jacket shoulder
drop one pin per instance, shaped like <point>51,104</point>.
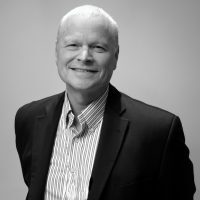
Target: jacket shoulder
<point>146,112</point>
<point>36,107</point>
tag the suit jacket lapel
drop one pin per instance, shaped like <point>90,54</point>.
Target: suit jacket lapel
<point>43,140</point>
<point>111,139</point>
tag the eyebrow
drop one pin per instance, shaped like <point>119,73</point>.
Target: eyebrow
<point>69,38</point>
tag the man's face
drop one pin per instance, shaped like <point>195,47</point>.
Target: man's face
<point>86,54</point>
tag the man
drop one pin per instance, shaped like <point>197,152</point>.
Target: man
<point>91,141</point>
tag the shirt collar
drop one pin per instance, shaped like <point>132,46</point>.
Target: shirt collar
<point>90,116</point>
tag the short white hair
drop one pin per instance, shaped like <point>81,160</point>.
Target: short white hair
<point>91,11</point>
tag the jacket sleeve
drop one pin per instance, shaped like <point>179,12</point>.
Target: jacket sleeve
<point>176,179</point>
<point>23,142</point>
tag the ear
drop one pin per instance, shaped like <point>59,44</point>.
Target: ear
<point>116,56</point>
<point>117,53</point>
<point>56,51</point>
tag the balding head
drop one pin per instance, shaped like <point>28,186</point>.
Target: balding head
<point>90,12</point>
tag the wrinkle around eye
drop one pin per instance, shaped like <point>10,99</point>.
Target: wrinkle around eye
<point>99,49</point>
<point>72,46</point>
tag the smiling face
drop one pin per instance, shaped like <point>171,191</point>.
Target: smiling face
<point>86,54</point>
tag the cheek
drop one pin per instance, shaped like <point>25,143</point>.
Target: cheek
<point>64,57</point>
<point>104,60</point>
<point>109,66</point>
<point>107,71</point>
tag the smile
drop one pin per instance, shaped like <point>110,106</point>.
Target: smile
<point>83,70</point>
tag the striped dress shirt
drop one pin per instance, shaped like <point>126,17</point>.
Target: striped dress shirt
<point>74,152</point>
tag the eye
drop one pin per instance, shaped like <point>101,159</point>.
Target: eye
<point>99,49</point>
<point>72,46</point>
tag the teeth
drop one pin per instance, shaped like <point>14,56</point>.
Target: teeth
<point>82,70</point>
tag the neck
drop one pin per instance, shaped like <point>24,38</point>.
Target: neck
<point>79,100</point>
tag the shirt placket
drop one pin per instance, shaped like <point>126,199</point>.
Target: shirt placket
<point>71,173</point>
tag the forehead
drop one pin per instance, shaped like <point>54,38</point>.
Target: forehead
<point>88,26</point>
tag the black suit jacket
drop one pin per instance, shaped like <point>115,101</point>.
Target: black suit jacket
<point>141,153</point>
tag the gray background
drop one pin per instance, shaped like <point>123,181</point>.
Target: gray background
<point>158,63</point>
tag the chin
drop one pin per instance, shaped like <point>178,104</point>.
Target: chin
<point>81,87</point>
<point>87,88</point>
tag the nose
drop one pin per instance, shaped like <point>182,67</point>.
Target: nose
<point>85,55</point>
